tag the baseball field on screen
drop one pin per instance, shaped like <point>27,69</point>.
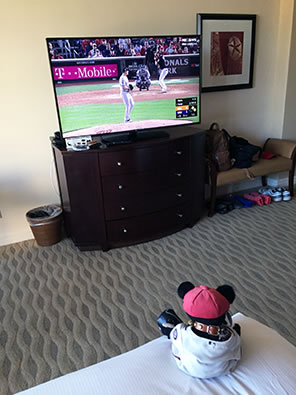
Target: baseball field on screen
<point>92,104</point>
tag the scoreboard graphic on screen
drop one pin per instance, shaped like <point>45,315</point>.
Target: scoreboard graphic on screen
<point>186,107</point>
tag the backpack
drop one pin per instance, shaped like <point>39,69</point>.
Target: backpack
<point>242,153</point>
<point>217,147</point>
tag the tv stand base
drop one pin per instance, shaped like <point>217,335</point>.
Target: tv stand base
<point>129,194</point>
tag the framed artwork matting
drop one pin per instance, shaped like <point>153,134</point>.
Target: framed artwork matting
<point>227,51</point>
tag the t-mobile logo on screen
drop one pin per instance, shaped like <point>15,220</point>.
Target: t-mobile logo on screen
<point>85,72</point>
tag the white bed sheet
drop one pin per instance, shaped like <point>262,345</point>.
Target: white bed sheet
<point>268,366</point>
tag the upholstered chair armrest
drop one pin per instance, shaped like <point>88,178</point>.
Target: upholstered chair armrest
<point>284,148</point>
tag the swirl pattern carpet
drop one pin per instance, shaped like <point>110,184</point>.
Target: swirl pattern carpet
<point>62,309</point>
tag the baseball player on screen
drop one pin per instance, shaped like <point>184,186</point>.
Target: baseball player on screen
<point>125,88</point>
<point>163,71</point>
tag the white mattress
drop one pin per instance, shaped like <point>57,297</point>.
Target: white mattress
<point>268,366</point>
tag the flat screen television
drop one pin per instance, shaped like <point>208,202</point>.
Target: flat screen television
<point>116,86</point>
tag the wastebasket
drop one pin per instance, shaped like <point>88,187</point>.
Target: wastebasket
<point>45,223</point>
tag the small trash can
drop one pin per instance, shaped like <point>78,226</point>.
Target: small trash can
<point>46,223</point>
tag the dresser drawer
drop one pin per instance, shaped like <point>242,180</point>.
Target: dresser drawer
<point>117,207</point>
<point>134,160</point>
<point>126,184</point>
<point>179,148</point>
<point>146,227</point>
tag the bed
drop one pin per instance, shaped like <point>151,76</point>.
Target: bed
<point>268,366</point>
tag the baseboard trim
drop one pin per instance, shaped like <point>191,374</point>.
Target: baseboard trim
<point>16,237</point>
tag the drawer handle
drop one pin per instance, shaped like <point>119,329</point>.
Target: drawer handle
<point>119,163</point>
<point>124,230</point>
<point>179,152</point>
<point>120,186</point>
<point>179,195</point>
<point>180,215</point>
<point>178,174</point>
<point>122,208</point>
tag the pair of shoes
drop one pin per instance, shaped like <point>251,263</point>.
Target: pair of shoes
<point>224,205</point>
<point>285,193</point>
<point>221,208</point>
<point>235,201</point>
<point>276,194</point>
<point>228,203</point>
<point>257,198</point>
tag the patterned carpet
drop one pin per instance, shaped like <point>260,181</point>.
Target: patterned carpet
<point>62,309</point>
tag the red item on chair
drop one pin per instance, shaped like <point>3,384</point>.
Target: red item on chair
<point>268,155</point>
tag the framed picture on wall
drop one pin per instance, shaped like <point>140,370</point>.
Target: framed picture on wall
<point>227,51</point>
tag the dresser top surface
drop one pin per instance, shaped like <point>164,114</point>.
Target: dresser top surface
<point>174,133</point>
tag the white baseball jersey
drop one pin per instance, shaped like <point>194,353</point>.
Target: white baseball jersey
<point>123,82</point>
<point>126,97</point>
<point>204,358</point>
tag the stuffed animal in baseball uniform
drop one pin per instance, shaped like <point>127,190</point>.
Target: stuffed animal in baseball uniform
<point>209,345</point>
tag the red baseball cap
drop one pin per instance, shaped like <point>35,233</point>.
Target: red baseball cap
<point>205,302</point>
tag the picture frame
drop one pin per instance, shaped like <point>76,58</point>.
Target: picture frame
<point>227,51</point>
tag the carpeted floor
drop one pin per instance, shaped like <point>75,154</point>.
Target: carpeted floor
<point>62,309</point>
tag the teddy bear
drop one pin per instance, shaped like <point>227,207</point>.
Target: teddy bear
<point>209,345</point>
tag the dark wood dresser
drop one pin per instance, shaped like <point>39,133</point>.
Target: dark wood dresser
<point>132,193</point>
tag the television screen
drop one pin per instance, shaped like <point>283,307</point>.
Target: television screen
<point>105,85</point>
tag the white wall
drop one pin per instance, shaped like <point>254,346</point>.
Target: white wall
<point>289,130</point>
<point>28,113</point>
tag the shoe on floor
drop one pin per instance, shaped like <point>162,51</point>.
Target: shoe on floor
<point>265,198</point>
<point>276,196</point>
<point>237,203</point>
<point>221,208</point>
<point>254,197</point>
<point>232,203</point>
<point>227,202</point>
<point>286,195</point>
<point>244,202</point>
<point>265,190</point>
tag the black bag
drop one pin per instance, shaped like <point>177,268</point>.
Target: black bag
<point>217,147</point>
<point>242,153</point>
